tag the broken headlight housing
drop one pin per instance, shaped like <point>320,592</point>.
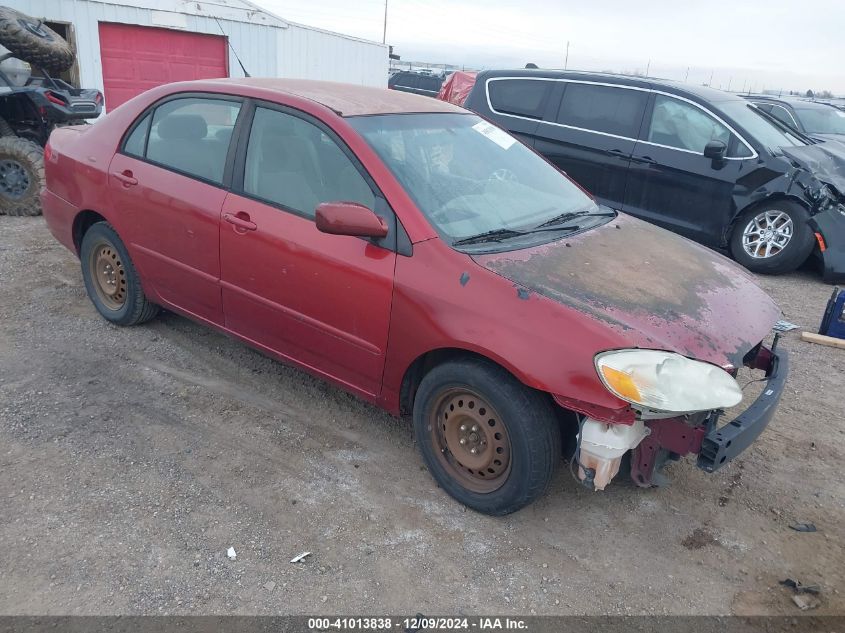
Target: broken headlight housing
<point>662,383</point>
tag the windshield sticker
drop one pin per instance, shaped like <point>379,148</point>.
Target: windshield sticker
<point>500,138</point>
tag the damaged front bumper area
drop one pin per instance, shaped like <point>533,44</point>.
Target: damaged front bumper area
<point>654,442</point>
<point>830,225</point>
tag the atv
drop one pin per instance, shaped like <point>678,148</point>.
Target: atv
<point>32,104</point>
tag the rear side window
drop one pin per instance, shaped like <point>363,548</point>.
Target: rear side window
<point>137,141</point>
<point>189,135</point>
<point>617,111</point>
<point>522,97</point>
<point>684,126</point>
<point>430,83</point>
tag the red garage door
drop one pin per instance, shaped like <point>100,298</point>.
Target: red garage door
<point>137,58</point>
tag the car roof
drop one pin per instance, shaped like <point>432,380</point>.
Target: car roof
<point>704,93</point>
<point>344,99</point>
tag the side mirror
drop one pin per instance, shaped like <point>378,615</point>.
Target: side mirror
<point>715,150</point>
<point>349,218</point>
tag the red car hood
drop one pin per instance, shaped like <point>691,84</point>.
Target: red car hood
<point>658,290</point>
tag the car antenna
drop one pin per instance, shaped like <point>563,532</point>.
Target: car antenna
<point>229,42</point>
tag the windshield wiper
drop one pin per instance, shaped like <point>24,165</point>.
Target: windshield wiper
<point>497,235</point>
<point>563,217</point>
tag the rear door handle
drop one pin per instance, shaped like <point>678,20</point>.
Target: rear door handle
<point>241,220</point>
<point>617,152</point>
<point>125,177</point>
<point>648,160</point>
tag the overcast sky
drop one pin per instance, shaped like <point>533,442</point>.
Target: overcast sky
<point>757,44</point>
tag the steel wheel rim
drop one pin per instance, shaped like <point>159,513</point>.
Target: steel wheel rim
<point>35,28</point>
<point>109,276</point>
<point>14,179</point>
<point>470,440</point>
<point>767,234</point>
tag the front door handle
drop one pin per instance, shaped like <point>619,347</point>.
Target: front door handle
<point>617,152</point>
<point>241,221</point>
<point>125,177</point>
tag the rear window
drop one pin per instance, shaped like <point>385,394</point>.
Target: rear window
<point>523,97</point>
<point>617,111</point>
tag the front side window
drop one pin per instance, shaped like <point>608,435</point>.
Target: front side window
<point>783,115</point>
<point>473,180</point>
<point>683,125</point>
<point>617,111</point>
<point>523,97</point>
<point>293,163</point>
<point>190,135</point>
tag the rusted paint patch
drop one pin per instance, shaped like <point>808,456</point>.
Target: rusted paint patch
<point>659,290</point>
<point>522,293</point>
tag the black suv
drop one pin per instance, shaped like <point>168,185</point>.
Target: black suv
<point>418,83</point>
<point>698,161</point>
<point>822,121</point>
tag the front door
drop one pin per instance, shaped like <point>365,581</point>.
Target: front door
<point>671,183</point>
<point>167,183</point>
<point>592,137</point>
<point>320,300</point>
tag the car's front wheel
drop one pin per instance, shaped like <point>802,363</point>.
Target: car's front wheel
<point>489,441</point>
<point>772,238</point>
<point>110,278</point>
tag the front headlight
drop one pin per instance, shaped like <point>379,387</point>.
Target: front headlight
<point>667,382</point>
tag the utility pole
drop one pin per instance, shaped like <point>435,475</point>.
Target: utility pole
<point>384,33</point>
<point>687,75</point>
<point>711,78</point>
<point>566,61</point>
<point>647,66</point>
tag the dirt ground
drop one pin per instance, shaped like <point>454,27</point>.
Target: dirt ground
<point>132,459</point>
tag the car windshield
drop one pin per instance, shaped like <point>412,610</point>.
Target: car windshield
<point>470,178</point>
<point>759,126</point>
<point>823,120</point>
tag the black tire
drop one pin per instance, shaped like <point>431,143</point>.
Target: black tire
<point>6,129</point>
<point>32,41</point>
<point>781,260</point>
<point>21,176</point>
<point>133,308</point>
<point>530,425</point>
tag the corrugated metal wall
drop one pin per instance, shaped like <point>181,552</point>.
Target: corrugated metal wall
<point>311,54</point>
<point>266,51</point>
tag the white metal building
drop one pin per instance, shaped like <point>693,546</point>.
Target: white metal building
<point>127,46</point>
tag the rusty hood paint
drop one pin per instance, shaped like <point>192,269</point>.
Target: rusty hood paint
<point>657,290</point>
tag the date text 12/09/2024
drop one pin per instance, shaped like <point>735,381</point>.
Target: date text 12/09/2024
<point>416,624</point>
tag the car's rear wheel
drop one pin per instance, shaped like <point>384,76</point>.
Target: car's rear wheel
<point>21,176</point>
<point>489,441</point>
<point>110,278</point>
<point>772,238</point>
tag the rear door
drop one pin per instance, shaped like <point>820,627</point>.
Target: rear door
<point>320,300</point>
<point>167,181</point>
<point>670,181</point>
<point>592,134</point>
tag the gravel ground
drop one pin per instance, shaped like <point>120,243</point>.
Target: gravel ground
<point>132,459</point>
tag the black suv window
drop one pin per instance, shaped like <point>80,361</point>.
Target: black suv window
<point>523,97</point>
<point>190,135</point>
<point>407,80</point>
<point>617,111</point>
<point>682,125</point>
<point>430,83</point>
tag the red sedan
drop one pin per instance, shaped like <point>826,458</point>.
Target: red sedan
<point>426,261</point>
